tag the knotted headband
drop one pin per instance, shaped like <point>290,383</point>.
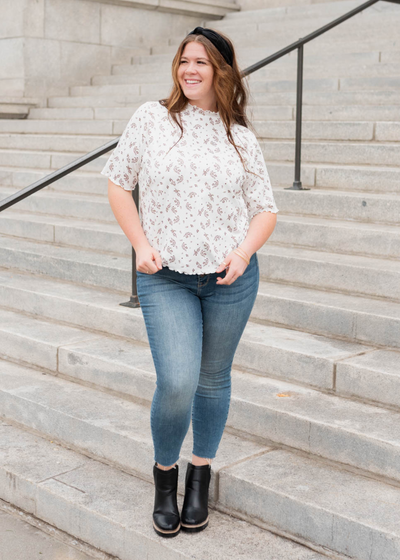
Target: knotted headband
<point>219,42</point>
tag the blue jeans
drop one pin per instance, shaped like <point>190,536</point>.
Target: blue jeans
<point>194,326</point>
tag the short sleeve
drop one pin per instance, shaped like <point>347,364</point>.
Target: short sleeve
<point>257,190</point>
<point>124,163</point>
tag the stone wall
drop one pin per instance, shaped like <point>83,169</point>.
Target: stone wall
<point>48,45</point>
<point>260,4</point>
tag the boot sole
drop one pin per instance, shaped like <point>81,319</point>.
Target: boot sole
<point>164,533</point>
<point>194,528</point>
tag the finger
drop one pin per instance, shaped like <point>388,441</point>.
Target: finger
<point>157,259</point>
<point>222,266</point>
<point>227,278</point>
<point>152,267</point>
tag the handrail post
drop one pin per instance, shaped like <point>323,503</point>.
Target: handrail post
<point>134,299</point>
<point>297,186</point>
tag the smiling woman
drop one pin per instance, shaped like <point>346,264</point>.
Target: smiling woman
<point>195,75</point>
<point>206,207</point>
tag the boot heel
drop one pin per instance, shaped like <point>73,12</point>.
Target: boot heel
<point>194,515</point>
<point>166,518</point>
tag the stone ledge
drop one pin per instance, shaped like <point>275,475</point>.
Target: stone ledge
<point>197,8</point>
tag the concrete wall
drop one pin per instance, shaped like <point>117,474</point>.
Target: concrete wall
<point>48,45</point>
<point>259,4</point>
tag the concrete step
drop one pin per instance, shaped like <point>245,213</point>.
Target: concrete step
<point>328,43</point>
<point>311,233</point>
<point>116,517</point>
<point>341,205</point>
<point>264,112</point>
<point>74,416</point>
<point>265,127</point>
<point>363,320</point>
<point>292,25</point>
<point>352,274</point>
<point>353,433</point>
<point>351,153</point>
<point>136,74</point>
<point>354,515</point>
<point>335,9</point>
<point>88,180</point>
<point>332,130</point>
<point>47,126</point>
<point>337,236</point>
<point>53,142</point>
<point>333,204</point>
<point>293,356</point>
<point>364,178</point>
<point>258,98</point>
<point>165,60</point>
<point>79,182</point>
<point>162,89</point>
<point>98,236</point>
<point>264,33</point>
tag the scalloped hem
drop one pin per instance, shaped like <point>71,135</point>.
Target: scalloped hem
<point>191,273</point>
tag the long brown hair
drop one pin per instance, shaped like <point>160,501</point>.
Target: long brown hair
<point>231,90</point>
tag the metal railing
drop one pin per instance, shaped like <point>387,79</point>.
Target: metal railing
<point>297,185</point>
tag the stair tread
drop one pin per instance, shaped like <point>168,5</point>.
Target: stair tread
<point>118,504</point>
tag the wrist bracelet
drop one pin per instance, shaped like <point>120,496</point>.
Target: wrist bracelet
<point>243,251</point>
<point>237,253</point>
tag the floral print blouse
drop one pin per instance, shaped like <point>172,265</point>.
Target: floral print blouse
<point>196,199</point>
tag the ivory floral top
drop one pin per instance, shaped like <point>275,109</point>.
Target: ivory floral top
<point>196,199</point>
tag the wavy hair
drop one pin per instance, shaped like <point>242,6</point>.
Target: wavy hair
<point>231,90</point>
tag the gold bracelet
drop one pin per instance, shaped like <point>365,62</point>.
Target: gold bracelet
<point>248,262</point>
<point>242,253</point>
<point>241,249</point>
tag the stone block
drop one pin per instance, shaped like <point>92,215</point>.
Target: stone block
<point>75,20</point>
<point>374,376</point>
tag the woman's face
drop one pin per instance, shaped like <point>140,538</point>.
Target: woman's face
<point>195,66</point>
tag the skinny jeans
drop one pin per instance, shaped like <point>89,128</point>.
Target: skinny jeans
<point>194,326</point>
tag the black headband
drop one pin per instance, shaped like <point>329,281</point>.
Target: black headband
<point>219,42</point>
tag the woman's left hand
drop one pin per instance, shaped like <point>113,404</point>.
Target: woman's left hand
<point>235,265</point>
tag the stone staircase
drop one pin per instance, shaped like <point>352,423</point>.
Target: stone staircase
<point>309,464</point>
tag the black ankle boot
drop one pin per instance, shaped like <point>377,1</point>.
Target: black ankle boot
<point>166,519</point>
<point>194,515</point>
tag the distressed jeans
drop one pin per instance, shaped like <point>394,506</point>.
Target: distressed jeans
<point>194,326</point>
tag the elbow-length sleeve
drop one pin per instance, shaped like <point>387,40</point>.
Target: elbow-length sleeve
<point>257,189</point>
<point>124,163</point>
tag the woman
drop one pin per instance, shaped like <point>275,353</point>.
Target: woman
<point>206,207</point>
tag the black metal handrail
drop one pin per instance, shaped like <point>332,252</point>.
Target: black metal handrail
<point>297,185</point>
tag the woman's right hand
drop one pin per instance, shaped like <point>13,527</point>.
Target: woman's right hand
<point>148,259</point>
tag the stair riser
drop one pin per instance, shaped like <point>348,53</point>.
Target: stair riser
<point>306,521</point>
<point>340,153</point>
<point>330,276</point>
<point>95,210</point>
<point>53,143</point>
<point>73,236</point>
<point>88,274</point>
<point>367,208</point>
